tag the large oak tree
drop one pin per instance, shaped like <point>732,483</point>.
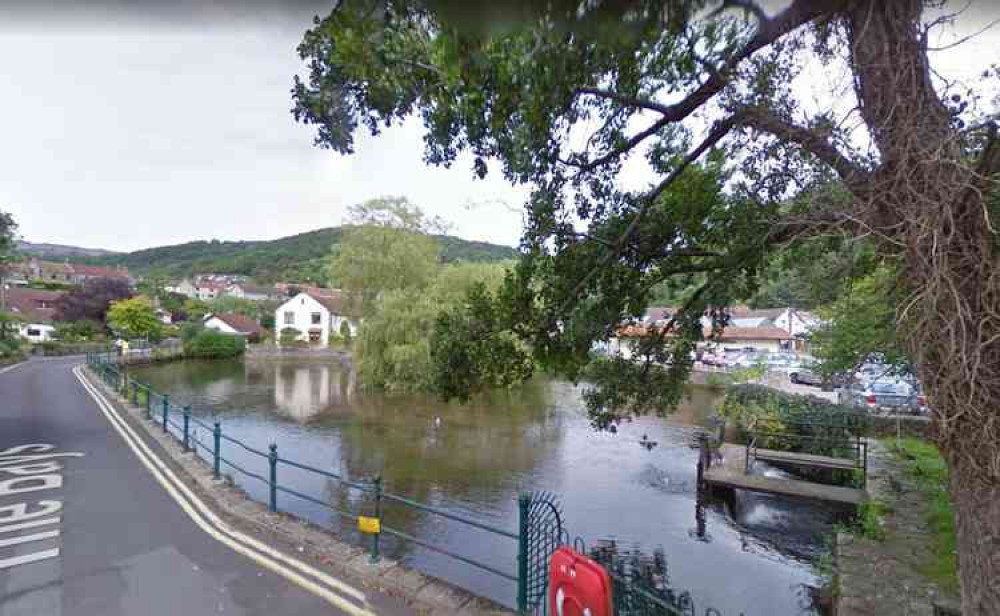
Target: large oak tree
<point>565,94</point>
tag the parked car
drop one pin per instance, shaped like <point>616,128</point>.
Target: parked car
<point>805,375</point>
<point>889,395</point>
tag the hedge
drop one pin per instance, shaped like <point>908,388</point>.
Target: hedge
<point>211,344</point>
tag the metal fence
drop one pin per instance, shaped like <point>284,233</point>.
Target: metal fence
<point>540,528</point>
<point>182,423</point>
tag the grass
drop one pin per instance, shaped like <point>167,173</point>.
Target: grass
<point>929,470</point>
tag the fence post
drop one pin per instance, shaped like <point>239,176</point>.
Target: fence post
<point>217,435</point>
<point>166,411</point>
<point>377,483</point>
<point>523,506</point>
<point>135,393</point>
<point>273,459</point>
<point>149,403</point>
<point>187,427</point>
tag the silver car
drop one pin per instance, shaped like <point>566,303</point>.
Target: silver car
<point>891,396</point>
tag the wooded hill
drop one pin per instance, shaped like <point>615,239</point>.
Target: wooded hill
<point>298,258</point>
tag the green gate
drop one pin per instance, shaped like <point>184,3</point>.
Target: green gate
<point>639,583</point>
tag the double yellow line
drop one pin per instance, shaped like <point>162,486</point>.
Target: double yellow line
<point>337,593</point>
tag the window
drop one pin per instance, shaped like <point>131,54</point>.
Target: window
<point>44,303</point>
<point>317,318</point>
<point>34,332</point>
<point>289,318</point>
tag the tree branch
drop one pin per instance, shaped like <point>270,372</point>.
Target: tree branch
<point>762,119</point>
<point>768,31</point>
<point>629,101</point>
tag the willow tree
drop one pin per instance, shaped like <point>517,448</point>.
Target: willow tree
<point>563,93</point>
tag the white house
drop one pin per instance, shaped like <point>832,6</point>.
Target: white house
<point>184,287</point>
<point>315,317</point>
<point>35,308</point>
<point>232,323</point>
<point>245,290</point>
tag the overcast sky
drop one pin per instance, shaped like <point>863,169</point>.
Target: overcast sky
<point>125,130</point>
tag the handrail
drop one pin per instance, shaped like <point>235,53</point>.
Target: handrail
<point>165,413</point>
<point>854,442</point>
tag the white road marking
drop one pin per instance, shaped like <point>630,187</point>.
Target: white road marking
<point>34,557</point>
<point>24,525</point>
<point>49,534</point>
<point>205,518</point>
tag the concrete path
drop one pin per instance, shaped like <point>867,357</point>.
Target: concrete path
<point>87,529</point>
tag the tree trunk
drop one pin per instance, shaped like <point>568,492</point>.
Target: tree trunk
<point>977,525</point>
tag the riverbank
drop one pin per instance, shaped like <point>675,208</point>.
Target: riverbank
<point>901,565</point>
<point>426,594</point>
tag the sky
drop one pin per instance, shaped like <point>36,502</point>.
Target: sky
<point>130,129</point>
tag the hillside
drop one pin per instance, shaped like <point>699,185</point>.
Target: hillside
<point>299,258</point>
<point>59,251</point>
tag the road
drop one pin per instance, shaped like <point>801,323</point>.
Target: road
<point>85,529</point>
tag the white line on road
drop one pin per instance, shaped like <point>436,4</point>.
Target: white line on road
<point>261,553</point>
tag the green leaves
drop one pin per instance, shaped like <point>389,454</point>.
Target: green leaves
<point>134,318</point>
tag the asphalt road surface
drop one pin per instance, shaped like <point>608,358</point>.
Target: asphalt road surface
<point>86,530</point>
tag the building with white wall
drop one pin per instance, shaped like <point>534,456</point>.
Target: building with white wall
<point>314,317</point>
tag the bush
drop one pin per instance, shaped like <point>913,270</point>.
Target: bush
<point>190,330</point>
<point>290,337</point>
<point>80,331</point>
<point>763,409</point>
<point>210,344</point>
<point>10,350</point>
<point>345,333</point>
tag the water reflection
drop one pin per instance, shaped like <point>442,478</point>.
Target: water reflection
<point>474,459</point>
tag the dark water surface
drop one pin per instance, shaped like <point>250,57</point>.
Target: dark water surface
<point>752,556</point>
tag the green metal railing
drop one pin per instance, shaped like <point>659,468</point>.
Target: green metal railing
<point>850,447</point>
<point>184,425</point>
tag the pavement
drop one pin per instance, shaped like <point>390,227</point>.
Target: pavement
<point>90,524</point>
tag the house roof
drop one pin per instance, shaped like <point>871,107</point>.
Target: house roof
<point>256,289</point>
<point>743,312</point>
<point>729,333</point>
<point>334,303</point>
<point>241,323</point>
<point>25,303</point>
<point>96,271</point>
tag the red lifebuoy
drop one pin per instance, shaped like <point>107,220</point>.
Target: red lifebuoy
<point>578,586</point>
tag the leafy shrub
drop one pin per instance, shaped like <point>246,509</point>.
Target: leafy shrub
<point>210,344</point>
<point>763,409</point>
<point>290,337</point>
<point>345,333</point>
<point>80,331</point>
<point>190,330</point>
<point>10,350</point>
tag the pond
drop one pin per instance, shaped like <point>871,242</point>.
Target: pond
<point>751,556</point>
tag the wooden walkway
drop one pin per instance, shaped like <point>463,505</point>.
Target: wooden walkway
<point>729,473</point>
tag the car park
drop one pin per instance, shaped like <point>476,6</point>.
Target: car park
<point>883,395</point>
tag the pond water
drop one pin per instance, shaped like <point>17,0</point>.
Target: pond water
<point>750,556</point>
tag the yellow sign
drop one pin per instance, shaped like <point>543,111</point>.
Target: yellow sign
<point>371,526</point>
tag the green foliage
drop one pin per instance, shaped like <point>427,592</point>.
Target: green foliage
<point>345,333</point>
<point>238,305</point>
<point>49,285</point>
<point>80,331</point>
<point>289,336</point>
<point>134,318</point>
<point>388,251</point>
<point>190,330</point>
<point>9,323</point>
<point>11,350</point>
<point>8,237</point>
<point>196,309</point>
<point>860,323</point>
<point>302,258</point>
<point>211,344</point>
<point>763,409</point>
<point>926,465</point>
<point>394,350</point>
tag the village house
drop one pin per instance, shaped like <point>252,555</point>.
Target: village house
<point>34,269</point>
<point>236,324</point>
<point>36,309</point>
<point>246,290</point>
<point>314,317</point>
